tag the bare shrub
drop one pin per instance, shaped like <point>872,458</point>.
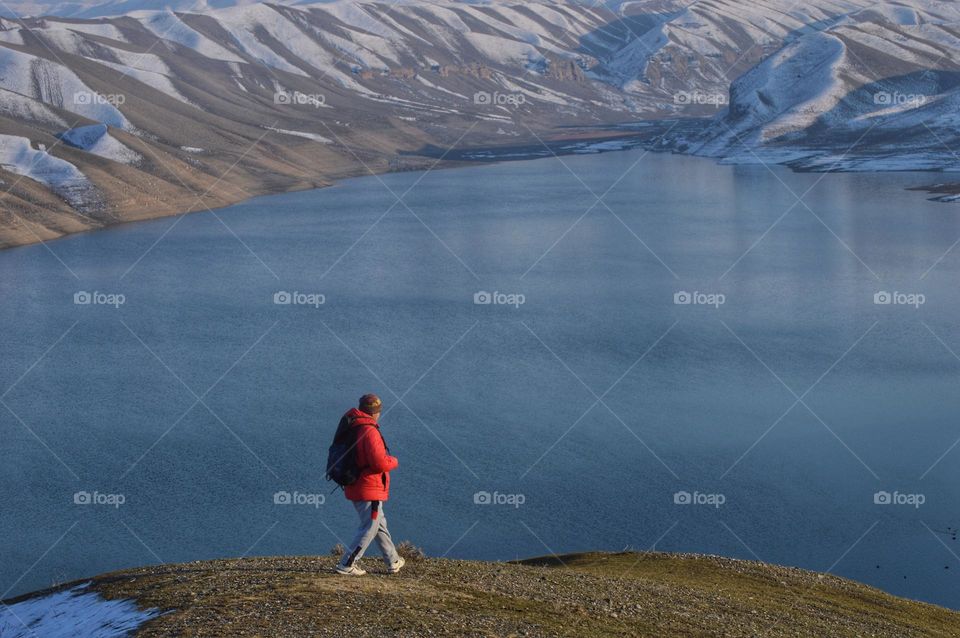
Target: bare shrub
<point>410,552</point>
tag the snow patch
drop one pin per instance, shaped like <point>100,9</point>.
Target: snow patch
<point>11,35</point>
<point>62,177</point>
<point>70,613</point>
<point>504,51</point>
<point>96,139</point>
<point>20,107</point>
<point>309,136</point>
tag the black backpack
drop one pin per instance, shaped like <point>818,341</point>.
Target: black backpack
<point>342,458</point>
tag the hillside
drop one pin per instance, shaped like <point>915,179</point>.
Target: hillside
<point>582,595</point>
<point>134,112</point>
<point>207,107</point>
<point>876,90</point>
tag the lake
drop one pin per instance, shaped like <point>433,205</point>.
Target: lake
<point>612,351</point>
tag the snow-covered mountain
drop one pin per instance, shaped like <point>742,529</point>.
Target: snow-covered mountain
<point>878,89</point>
<point>112,8</point>
<point>150,107</point>
<point>153,106</point>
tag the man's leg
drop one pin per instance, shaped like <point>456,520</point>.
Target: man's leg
<point>369,528</point>
<point>385,541</point>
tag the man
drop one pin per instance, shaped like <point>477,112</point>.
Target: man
<point>371,490</point>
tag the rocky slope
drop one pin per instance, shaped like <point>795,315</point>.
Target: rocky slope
<point>142,112</point>
<point>583,595</point>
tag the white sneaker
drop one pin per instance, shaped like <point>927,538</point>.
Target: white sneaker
<point>352,570</point>
<point>397,566</point>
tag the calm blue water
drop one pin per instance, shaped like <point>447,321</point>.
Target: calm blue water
<point>597,400</point>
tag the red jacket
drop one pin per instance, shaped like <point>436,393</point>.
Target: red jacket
<point>372,458</point>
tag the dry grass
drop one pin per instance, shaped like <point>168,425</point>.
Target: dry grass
<point>583,595</point>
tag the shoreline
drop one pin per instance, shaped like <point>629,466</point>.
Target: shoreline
<point>426,158</point>
<point>624,137</point>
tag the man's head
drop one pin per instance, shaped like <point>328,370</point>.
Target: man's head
<point>371,404</point>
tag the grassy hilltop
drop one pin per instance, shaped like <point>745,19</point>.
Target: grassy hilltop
<point>578,595</point>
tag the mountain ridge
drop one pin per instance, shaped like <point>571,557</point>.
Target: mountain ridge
<point>207,107</point>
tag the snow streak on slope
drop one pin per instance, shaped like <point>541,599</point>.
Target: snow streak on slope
<point>152,78</point>
<point>145,67</point>
<point>95,9</point>
<point>244,23</point>
<point>168,26</point>
<point>56,85</point>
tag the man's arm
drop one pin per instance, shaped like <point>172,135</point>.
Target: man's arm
<point>375,453</point>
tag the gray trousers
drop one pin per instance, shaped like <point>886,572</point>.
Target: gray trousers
<point>373,525</point>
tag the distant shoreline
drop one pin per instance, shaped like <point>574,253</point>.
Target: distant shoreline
<point>428,158</point>
<point>581,141</point>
